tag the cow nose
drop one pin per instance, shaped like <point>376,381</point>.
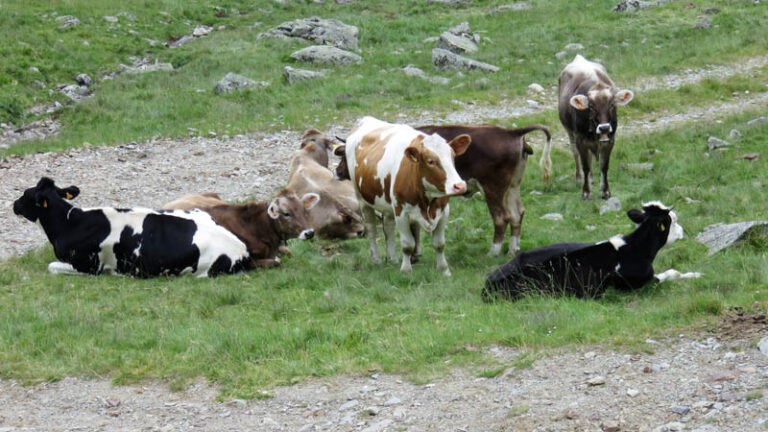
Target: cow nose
<point>307,234</point>
<point>604,128</point>
<point>459,188</point>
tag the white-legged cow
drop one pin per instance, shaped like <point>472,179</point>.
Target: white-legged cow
<point>407,176</point>
<point>136,242</point>
<point>587,269</point>
<point>587,100</point>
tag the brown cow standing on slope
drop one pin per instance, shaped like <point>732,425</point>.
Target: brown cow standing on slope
<point>587,108</point>
<point>495,162</point>
<point>262,226</point>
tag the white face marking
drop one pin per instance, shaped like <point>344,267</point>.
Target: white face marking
<point>675,230</point>
<point>658,204</point>
<point>444,152</point>
<point>307,234</point>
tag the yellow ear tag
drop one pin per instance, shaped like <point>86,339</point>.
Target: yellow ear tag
<point>414,158</point>
<point>662,228</point>
<point>45,203</point>
<point>69,195</point>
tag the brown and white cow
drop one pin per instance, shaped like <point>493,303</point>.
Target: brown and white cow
<point>323,144</point>
<point>494,163</point>
<point>587,107</point>
<point>407,176</point>
<point>337,214</point>
<point>262,226</point>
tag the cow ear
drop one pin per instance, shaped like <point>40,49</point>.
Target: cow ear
<point>70,192</point>
<point>413,154</point>
<point>310,200</point>
<point>460,144</point>
<point>637,216</point>
<point>580,102</point>
<point>339,149</point>
<point>274,209</point>
<point>622,97</point>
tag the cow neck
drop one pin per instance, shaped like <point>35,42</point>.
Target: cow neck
<point>256,215</point>
<point>409,189</point>
<point>59,218</point>
<point>642,243</point>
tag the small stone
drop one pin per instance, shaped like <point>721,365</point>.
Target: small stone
<point>552,217</point>
<point>535,88</point>
<point>512,7</point>
<point>675,426</point>
<point>632,392</point>
<point>574,47</point>
<point>181,41</point>
<point>714,143</point>
<point>109,19</point>
<point>295,75</point>
<point>307,428</point>
<point>84,79</point>
<point>596,381</point>
<point>571,414</point>
<point>67,21</point>
<point>232,82</point>
<point>757,121</point>
<point>643,166</point>
<point>238,403</point>
<point>350,404</point>
<point>460,29</point>
<point>378,426</point>
<point>734,134</point>
<point>590,355</point>
<point>680,409</point>
<point>591,227</point>
<point>393,401</point>
<point>702,405</point>
<point>610,426</point>
<point>705,23</point>
<point>201,31</point>
<point>610,205</point>
<point>532,103</point>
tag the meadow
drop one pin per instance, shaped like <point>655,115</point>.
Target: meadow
<point>328,310</point>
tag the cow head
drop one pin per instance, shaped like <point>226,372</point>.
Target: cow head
<point>434,163</point>
<point>342,171</point>
<point>42,199</point>
<point>600,103</point>
<point>657,221</point>
<point>321,143</point>
<point>289,213</point>
<point>334,220</point>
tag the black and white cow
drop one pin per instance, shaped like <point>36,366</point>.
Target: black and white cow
<point>136,242</point>
<point>587,269</point>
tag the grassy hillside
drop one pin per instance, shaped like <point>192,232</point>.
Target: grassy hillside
<point>392,34</point>
<point>328,310</point>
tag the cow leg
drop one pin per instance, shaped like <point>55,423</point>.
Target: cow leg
<point>576,157</point>
<point>58,267</point>
<point>407,243</point>
<point>605,156</point>
<point>586,166</point>
<point>495,204</point>
<point>438,242</point>
<point>416,233</point>
<point>369,219</point>
<point>513,214</point>
<point>389,237</point>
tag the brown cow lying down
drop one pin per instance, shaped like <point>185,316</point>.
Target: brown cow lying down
<point>262,226</point>
<point>337,215</point>
<point>314,136</point>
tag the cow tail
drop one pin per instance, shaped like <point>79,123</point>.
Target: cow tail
<point>546,162</point>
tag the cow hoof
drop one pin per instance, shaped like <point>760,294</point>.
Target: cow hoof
<point>585,196</point>
<point>447,272</point>
<point>495,250</point>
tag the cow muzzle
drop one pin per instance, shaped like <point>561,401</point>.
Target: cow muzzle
<point>603,129</point>
<point>459,188</point>
<point>307,234</point>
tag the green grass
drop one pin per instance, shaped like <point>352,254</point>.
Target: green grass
<point>318,316</point>
<point>522,43</point>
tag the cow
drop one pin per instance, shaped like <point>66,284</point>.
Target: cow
<point>408,177</point>
<point>136,242</point>
<point>585,270</point>
<point>262,226</point>
<point>323,144</point>
<point>494,163</point>
<point>337,215</point>
<point>587,100</point>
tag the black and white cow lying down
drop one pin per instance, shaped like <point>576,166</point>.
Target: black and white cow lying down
<point>136,242</point>
<point>586,269</point>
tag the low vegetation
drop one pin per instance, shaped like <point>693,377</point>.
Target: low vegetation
<point>328,310</point>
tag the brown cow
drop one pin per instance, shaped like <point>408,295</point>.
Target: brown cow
<point>262,226</point>
<point>587,109</point>
<point>320,154</point>
<point>337,215</point>
<point>495,162</point>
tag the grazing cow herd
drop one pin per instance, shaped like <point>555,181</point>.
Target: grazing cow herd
<point>401,175</point>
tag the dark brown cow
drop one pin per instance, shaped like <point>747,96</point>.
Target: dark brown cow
<point>323,144</point>
<point>494,163</point>
<point>587,108</point>
<point>262,226</point>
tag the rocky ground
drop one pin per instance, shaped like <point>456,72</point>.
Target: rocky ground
<point>711,381</point>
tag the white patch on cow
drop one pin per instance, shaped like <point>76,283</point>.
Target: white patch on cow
<point>616,241</point>
<point>495,249</point>
<point>658,204</point>
<point>673,274</point>
<point>580,65</point>
<point>603,93</point>
<point>213,240</point>
<point>69,212</point>
<point>58,267</point>
<point>444,152</point>
<point>675,230</point>
<point>617,268</point>
<point>307,234</point>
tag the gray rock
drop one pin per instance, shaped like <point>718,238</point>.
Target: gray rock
<point>763,346</point>
<point>734,134</point>
<point>719,236</point>
<point>610,205</point>
<point>460,29</point>
<point>632,392</point>
<point>146,67</point>
<point>644,166</point>
<point>378,426</point>
<point>574,47</point>
<point>127,15</point>
<point>34,69</point>
<point>512,7</point>
<point>307,427</point>
<point>552,217</point>
<point>456,44</point>
<point>397,401</point>
<point>633,5</point>
<point>74,91</point>
<point>350,404</point>
<point>181,41</point>
<point>319,31</point>
<point>201,31</point>
<point>84,80</point>
<point>535,88</point>
<point>705,23</point>
<point>232,82</point>
<point>758,121</point>
<point>67,21</point>
<point>293,75</point>
<point>109,19</point>
<point>714,143</point>
<point>450,2</point>
<point>680,409</point>
<point>444,59</point>
<point>411,70</point>
<point>596,380</point>
<point>326,54</point>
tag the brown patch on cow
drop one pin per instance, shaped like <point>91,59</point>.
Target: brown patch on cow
<point>388,188</point>
<point>369,152</point>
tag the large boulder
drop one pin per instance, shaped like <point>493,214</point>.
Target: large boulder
<point>232,82</point>
<point>326,54</point>
<point>719,236</point>
<point>444,59</point>
<point>319,31</point>
<point>457,44</point>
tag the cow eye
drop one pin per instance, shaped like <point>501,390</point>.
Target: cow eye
<point>430,162</point>
<point>287,214</point>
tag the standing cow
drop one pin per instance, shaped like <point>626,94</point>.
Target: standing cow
<point>587,108</point>
<point>408,176</point>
